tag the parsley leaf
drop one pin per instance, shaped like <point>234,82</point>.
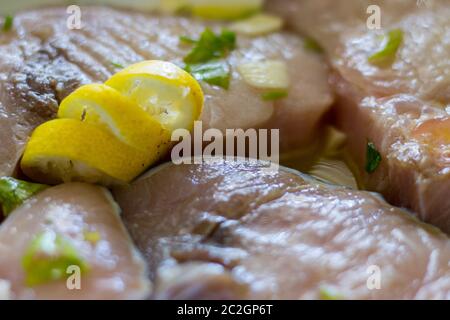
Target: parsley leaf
<point>117,65</point>
<point>386,56</point>
<point>327,294</point>
<point>210,46</point>
<point>312,45</point>
<point>274,95</point>
<point>14,192</point>
<point>202,62</point>
<point>214,72</point>
<point>47,258</point>
<point>373,158</point>
<point>8,23</point>
<point>187,40</point>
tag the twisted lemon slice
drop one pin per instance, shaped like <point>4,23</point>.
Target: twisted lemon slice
<point>166,92</point>
<point>110,133</point>
<point>105,107</point>
<point>65,150</point>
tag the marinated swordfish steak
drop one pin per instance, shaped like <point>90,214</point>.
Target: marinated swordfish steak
<point>42,61</point>
<point>401,108</point>
<point>235,230</point>
<point>64,232</point>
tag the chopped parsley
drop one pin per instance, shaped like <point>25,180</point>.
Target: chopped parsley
<point>373,158</point>
<point>14,192</point>
<point>386,56</point>
<point>210,46</point>
<point>215,72</point>
<point>327,294</point>
<point>312,45</point>
<point>117,65</point>
<point>47,258</point>
<point>274,95</point>
<point>8,23</point>
<point>204,63</point>
<point>187,40</point>
<point>92,236</point>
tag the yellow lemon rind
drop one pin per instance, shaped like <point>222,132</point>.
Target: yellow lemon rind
<point>172,78</point>
<point>65,150</point>
<point>104,106</point>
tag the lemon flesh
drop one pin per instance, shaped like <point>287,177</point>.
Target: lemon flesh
<point>66,150</point>
<point>166,92</point>
<point>105,107</point>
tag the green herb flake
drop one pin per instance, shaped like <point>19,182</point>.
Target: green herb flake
<point>211,46</point>
<point>373,158</point>
<point>312,45</point>
<point>14,192</point>
<point>386,56</point>
<point>48,257</point>
<point>8,23</point>
<point>328,294</point>
<point>92,236</point>
<point>116,65</point>
<point>187,40</point>
<point>214,72</point>
<point>274,95</point>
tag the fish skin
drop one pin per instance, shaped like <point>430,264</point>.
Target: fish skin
<point>250,233</point>
<point>115,269</point>
<point>41,62</point>
<point>389,106</point>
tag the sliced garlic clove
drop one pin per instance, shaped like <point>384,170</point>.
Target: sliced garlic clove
<point>258,25</point>
<point>270,74</point>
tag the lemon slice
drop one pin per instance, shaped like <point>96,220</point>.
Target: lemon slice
<point>65,150</point>
<point>224,9</point>
<point>105,107</point>
<point>163,90</point>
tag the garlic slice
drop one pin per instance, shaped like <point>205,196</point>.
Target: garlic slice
<point>224,9</point>
<point>213,9</point>
<point>257,25</point>
<point>270,74</point>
